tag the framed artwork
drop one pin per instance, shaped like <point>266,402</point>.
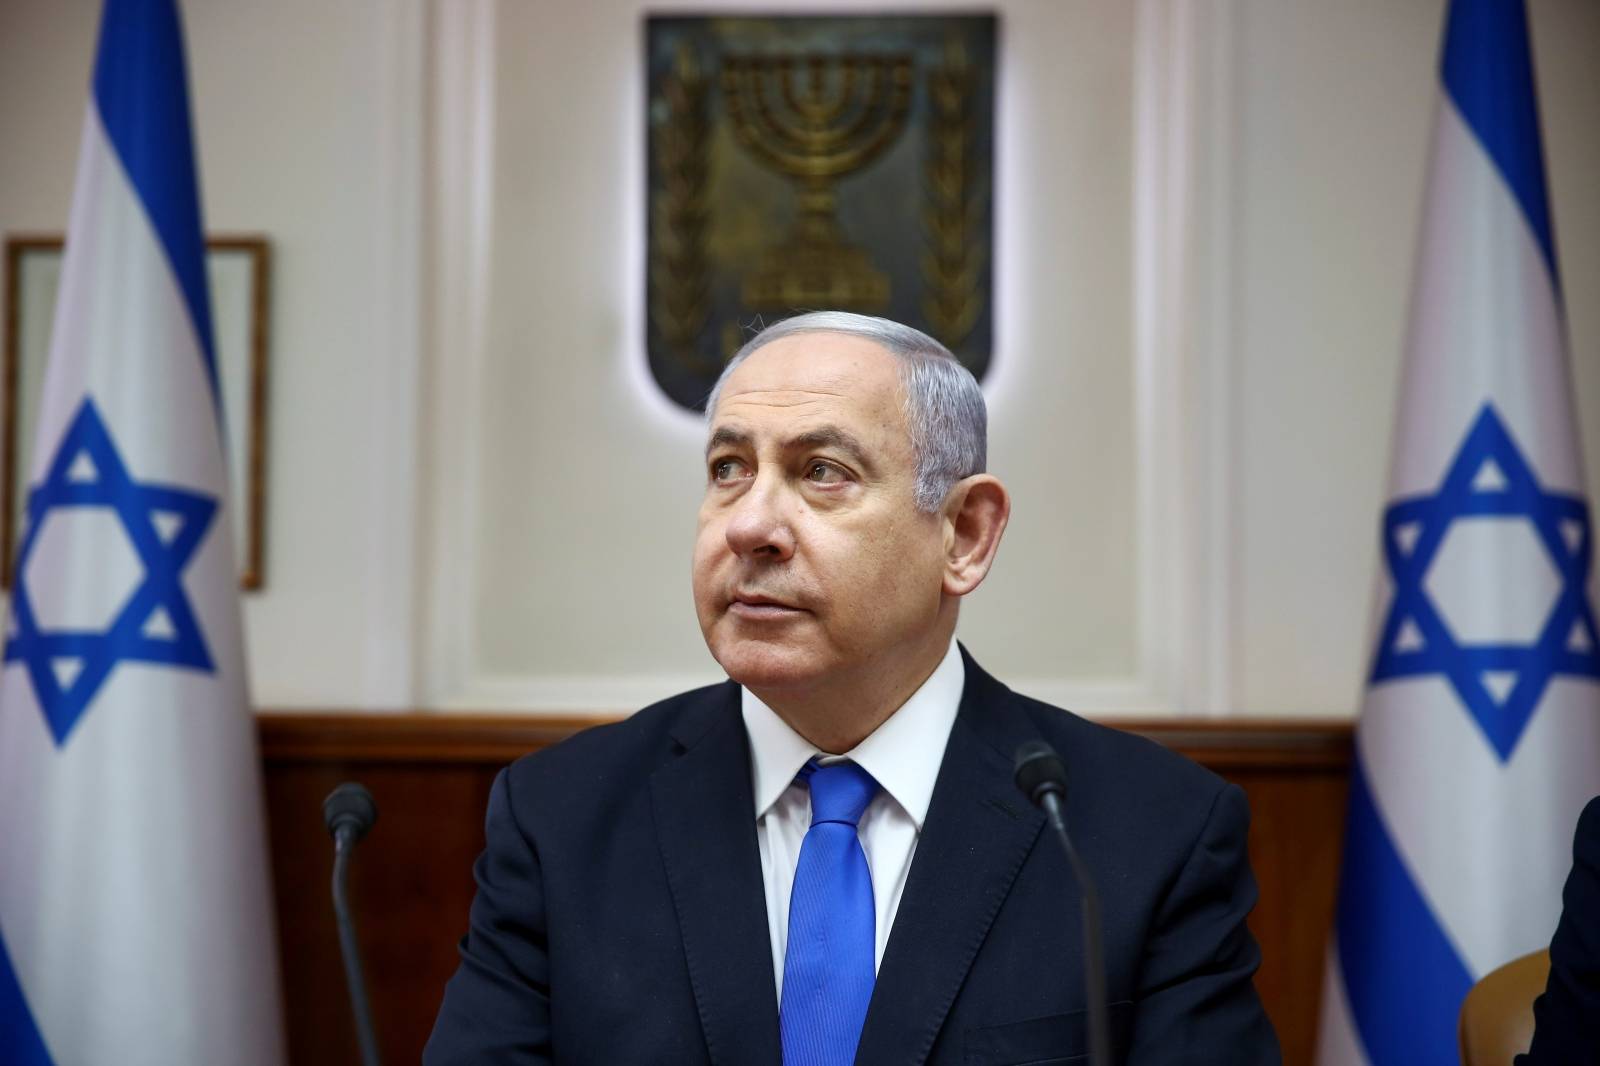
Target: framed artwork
<point>238,268</point>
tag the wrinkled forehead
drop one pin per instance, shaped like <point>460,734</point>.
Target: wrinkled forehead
<point>813,373</point>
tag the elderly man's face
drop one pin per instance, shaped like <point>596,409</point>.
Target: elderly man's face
<point>811,559</point>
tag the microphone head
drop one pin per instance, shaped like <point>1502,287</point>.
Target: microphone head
<point>1040,771</point>
<point>350,805</point>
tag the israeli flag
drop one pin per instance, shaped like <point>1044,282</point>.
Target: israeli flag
<point>1479,736</point>
<point>135,909</point>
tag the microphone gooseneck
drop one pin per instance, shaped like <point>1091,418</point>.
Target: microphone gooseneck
<point>1040,771</point>
<point>349,813</point>
<point>1042,777</point>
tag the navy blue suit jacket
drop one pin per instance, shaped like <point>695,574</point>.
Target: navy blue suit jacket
<point>1567,1016</point>
<point>620,916</point>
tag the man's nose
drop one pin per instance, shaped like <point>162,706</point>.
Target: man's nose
<point>758,528</point>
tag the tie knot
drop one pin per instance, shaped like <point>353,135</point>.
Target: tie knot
<point>839,792</point>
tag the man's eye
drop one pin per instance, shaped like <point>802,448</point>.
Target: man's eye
<point>725,469</point>
<point>823,473</point>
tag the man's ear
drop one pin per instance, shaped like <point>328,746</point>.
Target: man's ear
<point>975,513</point>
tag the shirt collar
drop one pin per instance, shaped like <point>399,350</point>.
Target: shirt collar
<point>902,755</point>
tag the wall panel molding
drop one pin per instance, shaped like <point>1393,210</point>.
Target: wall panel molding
<point>461,186</point>
<point>1220,743</point>
<point>1183,299</point>
<point>394,442</point>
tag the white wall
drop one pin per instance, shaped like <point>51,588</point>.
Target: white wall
<point>1335,105</point>
<point>292,108</point>
<point>1206,220</point>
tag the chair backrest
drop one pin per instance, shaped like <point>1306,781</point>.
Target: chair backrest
<point>1497,1015</point>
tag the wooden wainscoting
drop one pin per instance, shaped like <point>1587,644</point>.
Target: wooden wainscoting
<point>412,879</point>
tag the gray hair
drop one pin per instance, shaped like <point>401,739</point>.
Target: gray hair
<point>943,405</point>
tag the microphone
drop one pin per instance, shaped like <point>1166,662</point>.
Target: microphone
<point>1042,777</point>
<point>349,812</point>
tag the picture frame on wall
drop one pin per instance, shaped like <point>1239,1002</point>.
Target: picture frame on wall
<point>238,268</point>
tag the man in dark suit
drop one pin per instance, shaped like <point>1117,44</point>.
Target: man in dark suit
<point>1567,1016</point>
<point>825,860</point>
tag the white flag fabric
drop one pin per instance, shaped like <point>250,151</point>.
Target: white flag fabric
<point>135,907</point>
<point>1479,737</point>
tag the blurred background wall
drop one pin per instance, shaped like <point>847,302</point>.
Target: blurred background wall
<point>477,499</point>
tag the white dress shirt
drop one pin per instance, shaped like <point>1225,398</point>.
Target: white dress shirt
<point>902,755</point>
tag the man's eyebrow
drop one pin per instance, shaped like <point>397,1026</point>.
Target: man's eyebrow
<point>726,436</point>
<point>831,437</point>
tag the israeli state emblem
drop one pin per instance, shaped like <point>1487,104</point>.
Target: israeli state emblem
<point>802,164</point>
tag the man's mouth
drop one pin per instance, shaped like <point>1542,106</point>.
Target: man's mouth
<point>761,608</point>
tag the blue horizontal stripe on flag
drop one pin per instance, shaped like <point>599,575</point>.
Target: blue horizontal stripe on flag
<point>1487,69</point>
<point>143,100</point>
<point>1403,979</point>
<point>20,1042</point>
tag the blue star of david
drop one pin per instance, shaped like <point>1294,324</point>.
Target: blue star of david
<point>157,603</point>
<point>1415,639</point>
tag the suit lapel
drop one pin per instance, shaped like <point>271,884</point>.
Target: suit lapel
<point>705,825</point>
<point>978,831</point>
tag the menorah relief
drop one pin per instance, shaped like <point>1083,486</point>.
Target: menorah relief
<point>815,119</point>
<point>799,162</point>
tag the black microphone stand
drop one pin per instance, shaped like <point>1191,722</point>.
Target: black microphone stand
<point>1043,779</point>
<point>349,812</point>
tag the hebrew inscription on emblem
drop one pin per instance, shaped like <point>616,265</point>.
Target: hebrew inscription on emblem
<point>807,163</point>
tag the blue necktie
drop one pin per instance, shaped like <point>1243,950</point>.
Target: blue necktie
<point>827,967</point>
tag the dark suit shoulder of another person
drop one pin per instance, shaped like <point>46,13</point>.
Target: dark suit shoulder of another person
<point>1567,1015</point>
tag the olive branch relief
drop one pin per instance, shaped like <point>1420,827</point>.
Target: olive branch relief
<point>679,273</point>
<point>952,264</point>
